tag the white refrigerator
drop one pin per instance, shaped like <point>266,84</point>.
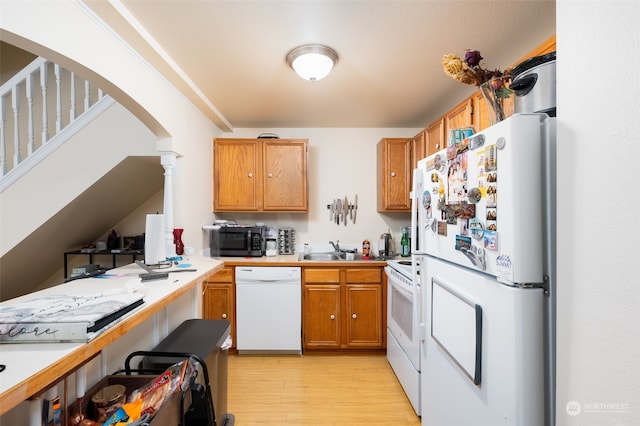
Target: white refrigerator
<point>486,224</point>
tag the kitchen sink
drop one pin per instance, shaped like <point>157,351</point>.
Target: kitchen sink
<point>331,256</point>
<point>321,256</point>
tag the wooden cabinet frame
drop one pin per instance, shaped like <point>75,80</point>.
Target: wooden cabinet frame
<point>394,171</point>
<point>258,175</point>
<point>344,308</point>
<point>219,298</point>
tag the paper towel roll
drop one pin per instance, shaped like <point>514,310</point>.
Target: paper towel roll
<point>154,249</point>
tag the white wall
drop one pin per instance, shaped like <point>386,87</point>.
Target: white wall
<point>598,325</point>
<point>342,162</point>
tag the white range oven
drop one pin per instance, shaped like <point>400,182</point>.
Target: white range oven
<point>404,326</point>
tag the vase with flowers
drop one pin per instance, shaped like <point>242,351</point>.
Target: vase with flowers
<point>493,84</point>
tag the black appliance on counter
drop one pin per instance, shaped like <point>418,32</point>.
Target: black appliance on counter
<point>236,240</point>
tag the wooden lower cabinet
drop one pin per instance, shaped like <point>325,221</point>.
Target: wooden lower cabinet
<point>219,299</point>
<point>321,318</point>
<point>363,307</point>
<point>343,308</point>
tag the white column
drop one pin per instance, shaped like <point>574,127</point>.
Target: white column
<point>168,161</point>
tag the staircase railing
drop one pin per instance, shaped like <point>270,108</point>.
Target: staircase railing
<point>37,105</point>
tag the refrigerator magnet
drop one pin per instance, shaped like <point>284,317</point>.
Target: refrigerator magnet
<point>491,240</point>
<point>463,242</point>
<point>430,164</point>
<point>463,226</point>
<point>474,195</point>
<point>438,163</point>
<point>491,159</point>
<point>476,227</point>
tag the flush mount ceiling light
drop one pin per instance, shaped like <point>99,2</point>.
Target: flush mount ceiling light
<point>312,62</point>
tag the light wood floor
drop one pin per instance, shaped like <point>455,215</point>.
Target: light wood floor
<point>337,390</point>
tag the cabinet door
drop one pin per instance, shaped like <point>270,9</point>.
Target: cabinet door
<point>321,318</point>
<point>364,307</point>
<point>480,113</point>
<point>219,298</point>
<point>363,315</point>
<point>285,175</point>
<point>418,148</point>
<point>394,174</point>
<point>237,175</point>
<point>218,303</point>
<point>435,137</point>
<point>458,118</point>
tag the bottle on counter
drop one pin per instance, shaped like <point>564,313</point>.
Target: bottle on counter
<point>366,250</point>
<point>404,245</point>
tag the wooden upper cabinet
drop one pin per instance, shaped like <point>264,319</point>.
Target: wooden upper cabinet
<point>481,118</point>
<point>435,137</point>
<point>458,118</point>
<point>237,175</point>
<point>260,175</point>
<point>285,175</point>
<point>394,174</point>
<point>418,148</point>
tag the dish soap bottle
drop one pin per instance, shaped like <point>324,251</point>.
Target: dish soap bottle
<point>404,244</point>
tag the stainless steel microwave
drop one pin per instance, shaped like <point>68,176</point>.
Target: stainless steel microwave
<point>238,241</point>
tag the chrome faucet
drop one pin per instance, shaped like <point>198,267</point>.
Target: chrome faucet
<point>335,246</point>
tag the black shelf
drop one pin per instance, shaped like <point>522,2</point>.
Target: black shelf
<point>133,253</point>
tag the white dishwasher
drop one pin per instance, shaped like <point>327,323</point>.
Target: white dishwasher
<point>268,309</point>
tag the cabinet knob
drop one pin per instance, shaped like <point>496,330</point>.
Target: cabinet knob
<point>270,175</point>
<point>437,146</point>
<point>393,174</point>
<point>332,317</point>
<point>250,175</point>
<point>224,316</point>
<point>354,316</point>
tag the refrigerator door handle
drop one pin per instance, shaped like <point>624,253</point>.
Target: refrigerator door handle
<point>477,257</point>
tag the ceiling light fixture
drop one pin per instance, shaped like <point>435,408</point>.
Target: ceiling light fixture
<point>312,62</point>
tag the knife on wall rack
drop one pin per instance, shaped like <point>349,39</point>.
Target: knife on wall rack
<point>343,211</point>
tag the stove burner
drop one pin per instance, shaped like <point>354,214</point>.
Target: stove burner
<point>405,262</point>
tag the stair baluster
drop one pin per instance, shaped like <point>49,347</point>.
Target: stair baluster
<point>22,90</point>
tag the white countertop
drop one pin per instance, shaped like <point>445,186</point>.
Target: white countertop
<point>32,367</point>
